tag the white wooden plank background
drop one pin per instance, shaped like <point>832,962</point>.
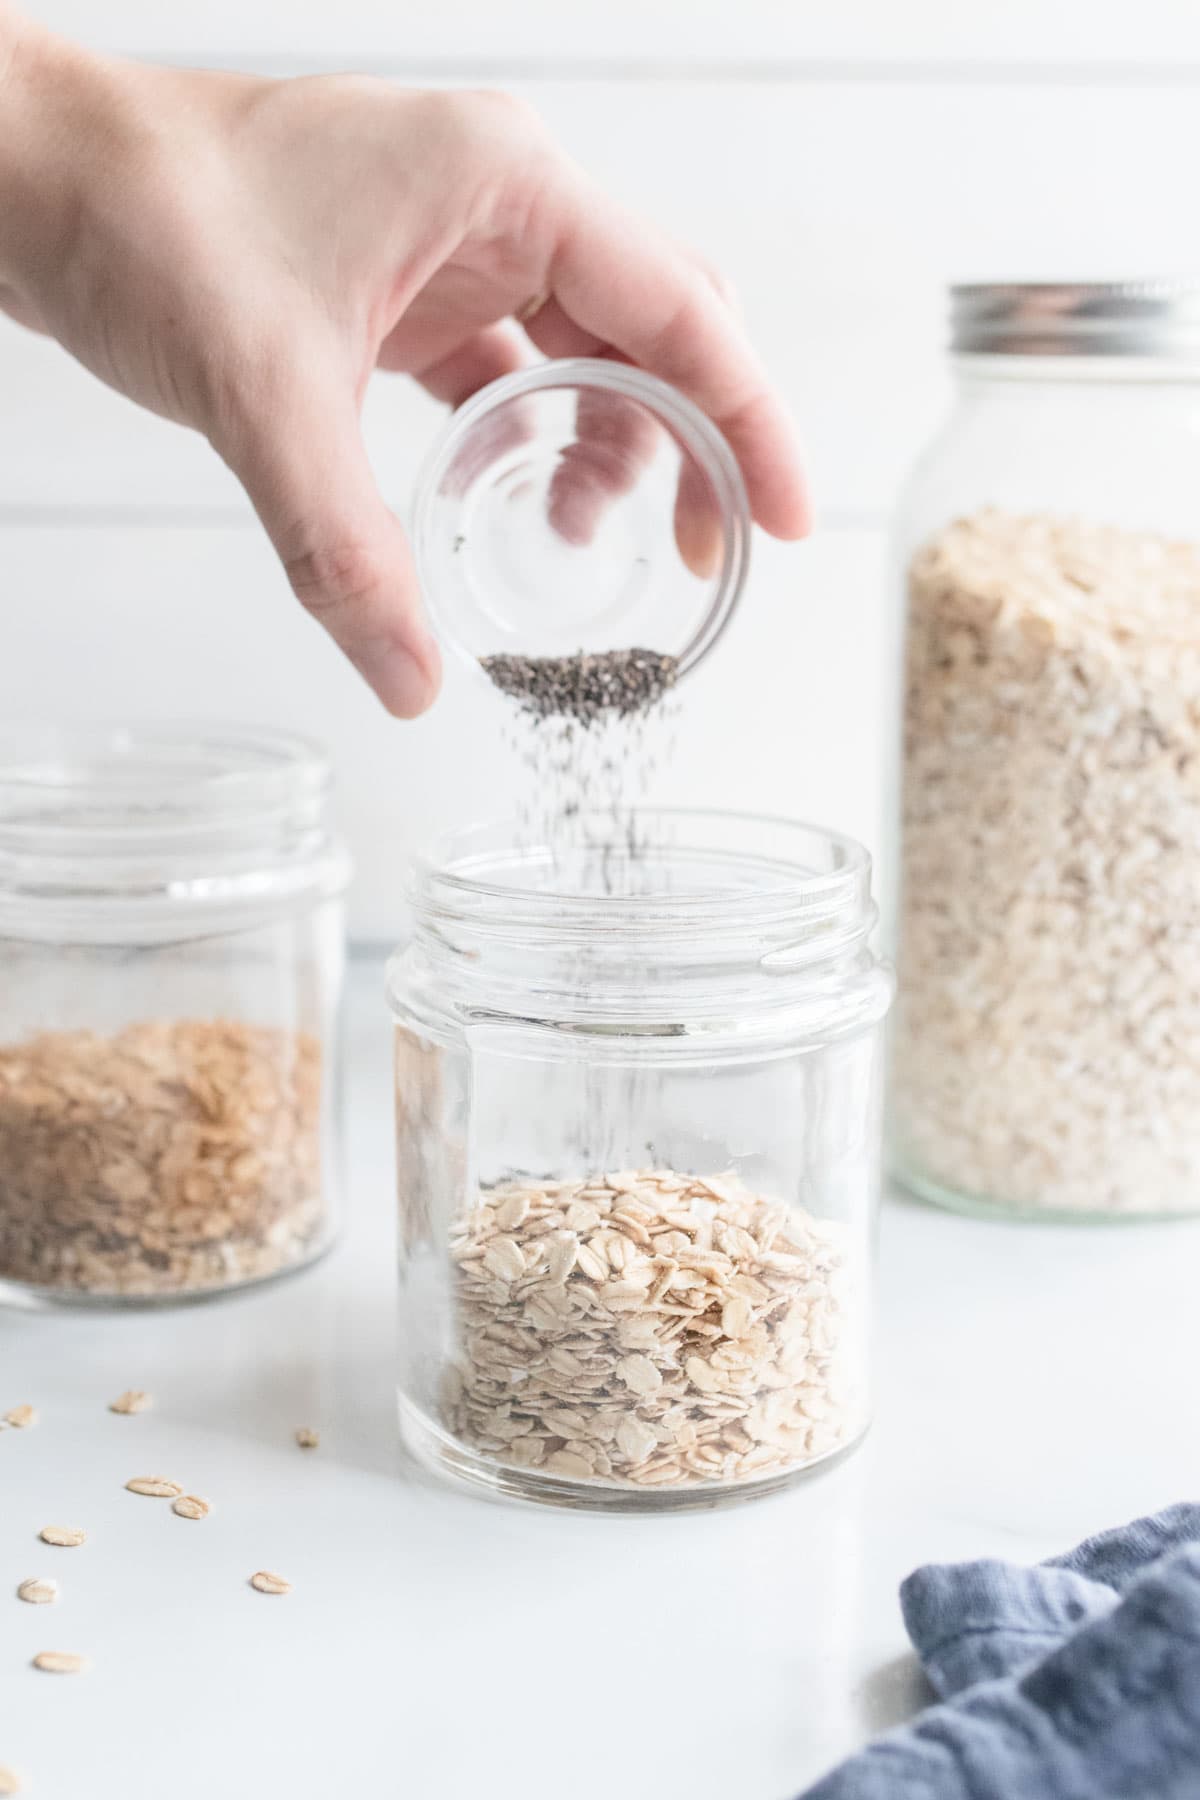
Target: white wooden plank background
<point>671,32</point>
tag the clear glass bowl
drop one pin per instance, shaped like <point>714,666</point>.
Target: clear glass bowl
<point>581,506</point>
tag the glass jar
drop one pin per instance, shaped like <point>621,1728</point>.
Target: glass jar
<point>171,948</point>
<point>1047,1035</point>
<point>637,1099</point>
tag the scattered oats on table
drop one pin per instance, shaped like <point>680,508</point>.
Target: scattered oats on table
<point>133,1400</point>
<point>38,1592</point>
<point>155,1487</point>
<point>60,1662</point>
<point>267,1583</point>
<point>191,1506</point>
<point>64,1537</point>
<point>653,1329</point>
<point>172,1157</point>
<point>21,1417</point>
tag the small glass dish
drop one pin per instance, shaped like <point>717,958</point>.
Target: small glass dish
<point>581,507</point>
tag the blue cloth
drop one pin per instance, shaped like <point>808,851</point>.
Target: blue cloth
<point>1078,1679</point>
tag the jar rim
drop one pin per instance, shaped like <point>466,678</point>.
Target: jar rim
<point>770,948</point>
<point>458,875</point>
<point>148,779</point>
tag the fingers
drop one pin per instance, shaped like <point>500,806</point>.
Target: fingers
<point>457,372</point>
<point>303,465</point>
<point>558,336</point>
<point>618,282</point>
<point>615,439</point>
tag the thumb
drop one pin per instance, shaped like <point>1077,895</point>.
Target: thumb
<point>303,465</point>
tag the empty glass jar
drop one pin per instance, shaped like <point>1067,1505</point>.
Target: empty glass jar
<point>637,1098</point>
<point>171,949</point>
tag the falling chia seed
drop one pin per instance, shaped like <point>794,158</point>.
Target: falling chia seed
<point>586,687</point>
<point>590,731</point>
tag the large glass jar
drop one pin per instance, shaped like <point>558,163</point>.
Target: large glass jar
<point>1047,1035</point>
<point>171,949</point>
<point>637,1102</point>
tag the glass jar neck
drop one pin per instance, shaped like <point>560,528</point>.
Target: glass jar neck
<point>99,825</point>
<point>1073,376</point>
<point>695,922</point>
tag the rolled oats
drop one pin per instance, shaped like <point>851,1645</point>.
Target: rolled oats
<point>10,1781</point>
<point>133,1400</point>
<point>721,1343</point>
<point>307,1438</point>
<point>171,1157</point>
<point>64,1537</point>
<point>191,1506</point>
<point>37,1592</point>
<point>1045,1042</point>
<point>21,1417</point>
<point>267,1583</point>
<point>154,1487</point>
<point>60,1662</point>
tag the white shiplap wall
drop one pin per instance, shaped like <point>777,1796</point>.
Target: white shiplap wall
<point>841,161</point>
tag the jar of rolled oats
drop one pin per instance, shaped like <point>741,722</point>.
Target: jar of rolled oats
<point>171,947</point>
<point>637,1101</point>
<point>1047,1033</point>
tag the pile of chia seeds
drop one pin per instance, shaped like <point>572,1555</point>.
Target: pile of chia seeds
<point>584,688</point>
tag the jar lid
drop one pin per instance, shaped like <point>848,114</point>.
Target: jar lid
<point>1158,319</point>
<point>581,506</point>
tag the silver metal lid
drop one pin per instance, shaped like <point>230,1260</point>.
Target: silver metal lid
<point>1077,318</point>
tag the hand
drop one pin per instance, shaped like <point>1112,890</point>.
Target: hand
<point>240,254</point>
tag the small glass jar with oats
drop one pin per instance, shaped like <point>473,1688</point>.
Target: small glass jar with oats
<point>637,1095</point>
<point>1047,1030</point>
<point>171,947</point>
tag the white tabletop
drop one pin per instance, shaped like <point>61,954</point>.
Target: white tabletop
<point>1037,1384</point>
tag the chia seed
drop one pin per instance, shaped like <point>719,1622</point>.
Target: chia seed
<point>584,687</point>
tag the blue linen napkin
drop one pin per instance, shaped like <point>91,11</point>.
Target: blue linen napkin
<point>1078,1679</point>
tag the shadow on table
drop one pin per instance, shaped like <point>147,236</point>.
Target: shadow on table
<point>892,1693</point>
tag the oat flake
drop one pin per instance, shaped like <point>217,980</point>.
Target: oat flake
<point>267,1583</point>
<point>60,1662</point>
<point>38,1592</point>
<point>21,1416</point>
<point>191,1506</point>
<point>133,1400</point>
<point>65,1537</point>
<point>155,1487</point>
